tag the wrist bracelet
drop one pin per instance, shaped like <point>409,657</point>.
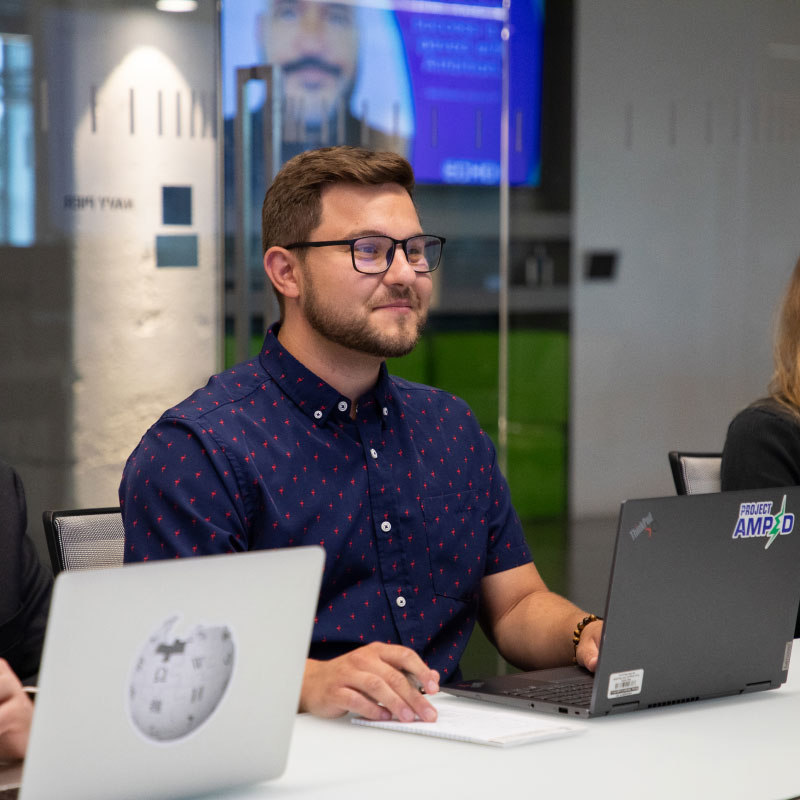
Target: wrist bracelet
<point>576,634</point>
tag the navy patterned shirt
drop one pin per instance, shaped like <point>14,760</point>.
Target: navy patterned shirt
<point>406,498</point>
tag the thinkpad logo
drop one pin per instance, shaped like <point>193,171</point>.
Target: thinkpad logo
<point>646,525</point>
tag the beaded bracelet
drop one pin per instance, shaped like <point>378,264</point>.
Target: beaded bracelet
<point>576,634</point>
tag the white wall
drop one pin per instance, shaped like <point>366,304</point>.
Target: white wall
<point>143,336</point>
<point>98,340</point>
<point>687,163</point>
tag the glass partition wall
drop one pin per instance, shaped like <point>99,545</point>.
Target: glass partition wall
<point>456,87</point>
<point>130,194</point>
<point>109,234</point>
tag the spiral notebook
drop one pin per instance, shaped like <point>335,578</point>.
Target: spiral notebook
<point>470,721</point>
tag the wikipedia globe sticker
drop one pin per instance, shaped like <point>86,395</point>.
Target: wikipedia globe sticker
<point>177,682</point>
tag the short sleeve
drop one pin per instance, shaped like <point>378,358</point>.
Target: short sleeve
<point>507,545</point>
<point>179,496</point>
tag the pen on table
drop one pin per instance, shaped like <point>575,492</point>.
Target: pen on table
<point>414,681</point>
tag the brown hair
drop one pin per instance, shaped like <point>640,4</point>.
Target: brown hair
<point>293,206</point>
<point>785,384</point>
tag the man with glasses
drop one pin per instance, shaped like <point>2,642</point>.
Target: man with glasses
<point>313,442</point>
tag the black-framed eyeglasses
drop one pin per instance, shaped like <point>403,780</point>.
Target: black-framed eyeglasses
<point>373,255</point>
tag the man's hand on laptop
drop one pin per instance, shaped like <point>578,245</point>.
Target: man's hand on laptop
<point>378,681</point>
<point>16,713</point>
<point>589,645</point>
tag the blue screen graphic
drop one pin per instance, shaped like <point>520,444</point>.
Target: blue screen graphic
<point>431,83</point>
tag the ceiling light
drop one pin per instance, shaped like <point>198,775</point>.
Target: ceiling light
<point>178,6</point>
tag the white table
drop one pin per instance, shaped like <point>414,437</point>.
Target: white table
<point>742,747</point>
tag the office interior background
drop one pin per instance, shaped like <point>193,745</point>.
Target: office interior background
<point>645,262</point>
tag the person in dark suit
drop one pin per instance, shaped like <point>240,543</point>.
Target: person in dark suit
<point>762,447</point>
<point>25,586</point>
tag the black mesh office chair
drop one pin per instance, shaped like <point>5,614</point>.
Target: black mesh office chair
<point>84,538</point>
<point>696,473</point>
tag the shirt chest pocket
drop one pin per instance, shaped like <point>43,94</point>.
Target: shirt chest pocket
<point>457,532</point>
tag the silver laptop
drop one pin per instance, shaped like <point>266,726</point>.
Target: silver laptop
<point>171,678</point>
<point>702,603</point>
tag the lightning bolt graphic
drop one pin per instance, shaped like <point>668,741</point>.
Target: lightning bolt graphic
<point>776,528</point>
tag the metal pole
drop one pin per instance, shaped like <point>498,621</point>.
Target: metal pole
<point>245,233</point>
<point>273,136</point>
<point>241,128</point>
<point>505,238</point>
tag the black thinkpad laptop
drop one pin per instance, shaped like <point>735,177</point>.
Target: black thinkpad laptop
<point>702,603</point>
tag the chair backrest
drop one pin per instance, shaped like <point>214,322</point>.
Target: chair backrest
<point>84,538</point>
<point>696,473</point>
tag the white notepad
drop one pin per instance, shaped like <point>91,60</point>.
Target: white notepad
<point>481,723</point>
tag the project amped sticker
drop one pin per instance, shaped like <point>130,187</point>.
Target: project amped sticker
<point>757,520</point>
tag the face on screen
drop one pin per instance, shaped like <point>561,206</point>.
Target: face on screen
<point>316,44</point>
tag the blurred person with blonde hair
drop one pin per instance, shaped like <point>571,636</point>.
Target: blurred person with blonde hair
<point>762,448</point>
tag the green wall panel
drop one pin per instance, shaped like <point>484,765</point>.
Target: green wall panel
<point>537,469</point>
<point>465,363</point>
<point>538,376</point>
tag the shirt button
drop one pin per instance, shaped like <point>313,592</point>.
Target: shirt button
<point>342,405</point>
<point>317,414</point>
<point>373,453</point>
<point>401,601</point>
<point>386,526</point>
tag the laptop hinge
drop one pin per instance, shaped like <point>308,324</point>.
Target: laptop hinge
<point>629,706</point>
<point>757,686</point>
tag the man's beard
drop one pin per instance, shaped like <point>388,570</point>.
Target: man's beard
<point>358,335</point>
<point>308,110</point>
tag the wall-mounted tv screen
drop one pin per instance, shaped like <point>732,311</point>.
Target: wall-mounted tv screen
<point>419,77</point>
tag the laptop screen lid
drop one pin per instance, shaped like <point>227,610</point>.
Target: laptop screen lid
<point>702,600</point>
<point>172,678</point>
<point>703,593</point>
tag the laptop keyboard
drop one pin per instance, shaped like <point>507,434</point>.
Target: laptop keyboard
<point>573,694</point>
